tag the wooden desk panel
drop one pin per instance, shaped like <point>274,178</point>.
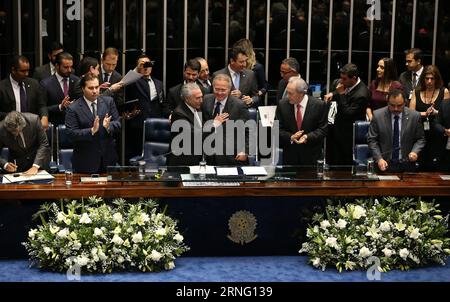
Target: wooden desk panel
<point>423,184</point>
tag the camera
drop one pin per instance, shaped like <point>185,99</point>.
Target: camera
<point>149,64</point>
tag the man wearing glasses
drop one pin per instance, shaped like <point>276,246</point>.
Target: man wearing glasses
<point>289,68</point>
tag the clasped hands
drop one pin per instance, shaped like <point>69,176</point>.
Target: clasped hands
<point>96,125</point>
<point>299,137</point>
<point>247,99</point>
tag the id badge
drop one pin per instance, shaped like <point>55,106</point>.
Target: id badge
<point>426,125</point>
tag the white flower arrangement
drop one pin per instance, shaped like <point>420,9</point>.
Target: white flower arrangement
<point>403,234</point>
<point>102,237</point>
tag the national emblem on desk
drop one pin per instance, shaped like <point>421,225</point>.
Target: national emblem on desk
<point>242,225</point>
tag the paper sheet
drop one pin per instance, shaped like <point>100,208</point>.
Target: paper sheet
<point>388,177</point>
<point>195,170</point>
<point>41,175</point>
<point>254,170</point>
<point>267,115</point>
<point>227,171</point>
<point>131,77</point>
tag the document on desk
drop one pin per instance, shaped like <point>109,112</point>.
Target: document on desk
<point>227,171</point>
<point>445,177</point>
<point>93,179</point>
<point>196,170</point>
<point>190,181</point>
<point>40,176</point>
<point>254,171</point>
<point>388,177</point>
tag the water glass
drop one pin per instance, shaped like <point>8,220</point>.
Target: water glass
<point>319,168</point>
<point>69,177</point>
<point>202,169</point>
<point>141,166</point>
<point>370,167</point>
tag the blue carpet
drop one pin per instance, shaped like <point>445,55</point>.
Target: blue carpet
<point>228,269</point>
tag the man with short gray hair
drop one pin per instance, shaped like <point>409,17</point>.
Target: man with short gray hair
<point>27,142</point>
<point>289,68</point>
<point>303,124</point>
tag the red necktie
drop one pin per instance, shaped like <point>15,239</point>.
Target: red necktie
<point>65,87</point>
<point>299,117</point>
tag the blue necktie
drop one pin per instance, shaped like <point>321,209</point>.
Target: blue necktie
<point>23,98</point>
<point>217,109</point>
<point>237,79</point>
<point>396,141</point>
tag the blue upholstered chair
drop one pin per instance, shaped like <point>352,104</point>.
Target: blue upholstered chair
<point>64,148</point>
<point>252,113</point>
<point>361,150</point>
<point>156,141</point>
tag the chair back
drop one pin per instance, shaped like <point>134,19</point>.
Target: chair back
<point>64,147</point>
<point>156,140</point>
<point>360,146</point>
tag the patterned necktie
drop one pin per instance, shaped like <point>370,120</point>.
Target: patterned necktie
<point>105,78</point>
<point>23,98</point>
<point>217,109</point>
<point>65,87</point>
<point>396,141</point>
<point>94,112</point>
<point>299,117</point>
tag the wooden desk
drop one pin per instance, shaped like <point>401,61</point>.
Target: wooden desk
<point>422,184</point>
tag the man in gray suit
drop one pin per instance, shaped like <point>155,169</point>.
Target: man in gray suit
<point>244,84</point>
<point>396,135</point>
<point>27,142</point>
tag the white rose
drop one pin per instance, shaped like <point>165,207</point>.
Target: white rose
<point>160,232</point>
<point>332,242</point>
<point>358,212</point>
<point>82,260</point>
<point>404,253</point>
<point>316,262</point>
<point>145,217</point>
<point>32,233</point>
<point>98,232</point>
<point>414,233</point>
<point>387,252</point>
<point>60,217</point>
<point>63,233</point>
<point>341,224</point>
<point>385,226</point>
<point>85,219</point>
<point>117,217</point>
<point>400,226</point>
<point>155,256</point>
<point>120,259</point>
<point>117,230</point>
<point>54,229</point>
<point>137,237</point>
<point>324,224</point>
<point>178,237</point>
<point>117,240</point>
<point>342,212</point>
<point>76,245</point>
<point>47,250</point>
<point>365,252</point>
<point>102,255</point>
<point>170,265</point>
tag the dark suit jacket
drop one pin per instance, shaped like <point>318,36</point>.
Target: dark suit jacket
<point>183,113</point>
<point>281,87</point>
<point>92,153</point>
<point>118,95</point>
<point>380,134</point>
<point>237,111</point>
<point>205,90</point>
<point>174,96</point>
<point>42,72</point>
<point>150,106</point>
<point>351,107</point>
<point>247,84</point>
<point>406,80</point>
<point>37,150</point>
<point>37,102</point>
<point>442,122</point>
<point>54,97</point>
<point>314,124</point>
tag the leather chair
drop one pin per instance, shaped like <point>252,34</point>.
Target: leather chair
<point>64,148</point>
<point>361,150</point>
<point>156,142</point>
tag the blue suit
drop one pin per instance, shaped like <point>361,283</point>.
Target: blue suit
<point>92,153</point>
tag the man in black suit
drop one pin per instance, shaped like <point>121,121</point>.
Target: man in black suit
<point>108,74</point>
<point>220,108</point>
<point>303,125</point>
<point>190,75</point>
<point>441,125</point>
<point>48,69</point>
<point>352,97</point>
<point>204,79</point>
<point>60,88</point>
<point>289,68</point>
<point>20,93</point>
<point>151,103</point>
<point>27,142</point>
<point>411,77</point>
<point>244,84</point>
<point>92,121</point>
<point>187,117</point>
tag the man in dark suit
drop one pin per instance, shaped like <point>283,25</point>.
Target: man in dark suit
<point>48,69</point>
<point>396,135</point>
<point>190,75</point>
<point>289,68</point>
<point>352,97</point>
<point>92,121</point>
<point>204,79</point>
<point>20,93</point>
<point>303,125</point>
<point>187,117</point>
<point>220,108</point>
<point>60,88</point>
<point>441,125</point>
<point>411,77</point>
<point>108,74</point>
<point>244,84</point>
<point>27,142</point>
<point>151,103</point>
